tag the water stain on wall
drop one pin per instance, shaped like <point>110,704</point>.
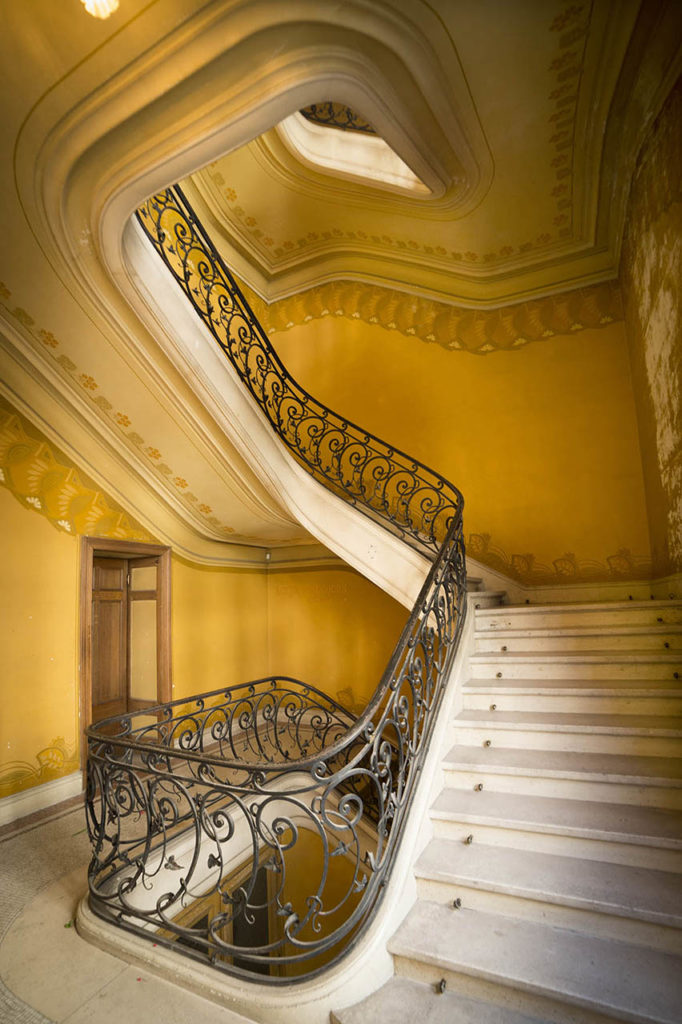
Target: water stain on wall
<point>651,272</point>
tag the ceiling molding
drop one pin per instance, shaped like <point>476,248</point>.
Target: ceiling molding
<point>598,51</point>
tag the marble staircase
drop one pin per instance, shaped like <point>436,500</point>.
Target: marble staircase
<point>550,889</point>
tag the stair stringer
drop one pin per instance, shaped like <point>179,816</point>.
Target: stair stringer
<point>379,555</point>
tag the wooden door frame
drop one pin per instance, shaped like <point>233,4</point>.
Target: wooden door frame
<point>90,547</point>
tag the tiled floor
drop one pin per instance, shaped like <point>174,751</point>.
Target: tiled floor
<point>47,972</point>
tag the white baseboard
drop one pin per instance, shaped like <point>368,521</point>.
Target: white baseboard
<point>37,798</point>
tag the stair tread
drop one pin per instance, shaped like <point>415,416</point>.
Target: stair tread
<point>590,819</point>
<point>567,764</point>
<point>591,606</point>
<point>625,629</point>
<point>402,999</point>
<point>619,889</point>
<point>636,656</point>
<point>636,983</point>
<point>658,725</point>
<point>583,687</point>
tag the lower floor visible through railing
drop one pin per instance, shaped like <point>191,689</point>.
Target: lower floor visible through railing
<point>256,827</point>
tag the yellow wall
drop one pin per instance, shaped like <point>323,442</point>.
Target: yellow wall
<point>219,627</point>
<point>541,439</point>
<point>651,275</point>
<point>328,627</point>
<point>38,612</point>
<point>333,629</point>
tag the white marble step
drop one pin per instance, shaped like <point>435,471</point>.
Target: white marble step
<point>487,598</point>
<point>641,836</point>
<point>401,1000</point>
<point>659,638</point>
<point>588,699</point>
<point>646,735</point>
<point>608,613</point>
<point>617,778</point>
<point>640,665</point>
<point>588,687</point>
<point>555,971</point>
<point>612,900</point>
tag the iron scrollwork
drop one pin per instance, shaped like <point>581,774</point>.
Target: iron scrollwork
<point>337,115</point>
<point>255,827</point>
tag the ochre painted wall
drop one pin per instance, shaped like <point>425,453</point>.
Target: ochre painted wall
<point>651,276</point>
<point>219,627</point>
<point>329,627</point>
<point>541,439</point>
<point>333,629</point>
<point>38,613</point>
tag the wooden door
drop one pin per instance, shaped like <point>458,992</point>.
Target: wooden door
<point>109,637</point>
<point>143,632</point>
<point>107,686</point>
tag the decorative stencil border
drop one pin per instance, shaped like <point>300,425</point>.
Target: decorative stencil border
<point>54,762</point>
<point>567,568</point>
<point>45,340</point>
<point>451,327</point>
<point>43,479</point>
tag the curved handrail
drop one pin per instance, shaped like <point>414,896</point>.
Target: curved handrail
<point>264,768</point>
<point>337,115</point>
<point>383,482</point>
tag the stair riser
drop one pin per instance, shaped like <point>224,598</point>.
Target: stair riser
<point>565,618</point>
<point>481,599</point>
<point>611,851</point>
<point>590,920</point>
<point>602,644</point>
<point>592,742</point>
<point>544,1008</point>
<point>578,704</point>
<point>566,789</point>
<point>483,667</point>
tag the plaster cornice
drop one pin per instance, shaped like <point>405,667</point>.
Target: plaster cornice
<point>596,120</point>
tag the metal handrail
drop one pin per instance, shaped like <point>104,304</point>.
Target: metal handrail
<point>201,806</point>
<point>337,115</point>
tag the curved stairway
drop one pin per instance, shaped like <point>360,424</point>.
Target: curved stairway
<point>550,889</point>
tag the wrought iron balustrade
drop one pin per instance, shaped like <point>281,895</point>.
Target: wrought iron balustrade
<point>337,115</point>
<point>256,827</point>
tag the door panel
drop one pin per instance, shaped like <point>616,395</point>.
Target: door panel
<point>109,638</point>
<point>142,632</point>
<point>143,671</point>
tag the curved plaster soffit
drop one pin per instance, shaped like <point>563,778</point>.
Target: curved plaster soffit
<point>66,418</point>
<point>114,130</point>
<point>377,554</point>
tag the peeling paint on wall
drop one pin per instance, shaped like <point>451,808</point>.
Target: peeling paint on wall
<point>651,272</point>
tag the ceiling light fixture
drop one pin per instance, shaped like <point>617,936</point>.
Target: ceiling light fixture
<point>100,8</point>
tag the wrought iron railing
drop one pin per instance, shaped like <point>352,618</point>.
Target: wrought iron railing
<point>337,115</point>
<point>256,827</point>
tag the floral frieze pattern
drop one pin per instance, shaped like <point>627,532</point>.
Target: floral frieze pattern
<point>452,327</point>
<point>120,421</point>
<point>622,565</point>
<point>43,479</point>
